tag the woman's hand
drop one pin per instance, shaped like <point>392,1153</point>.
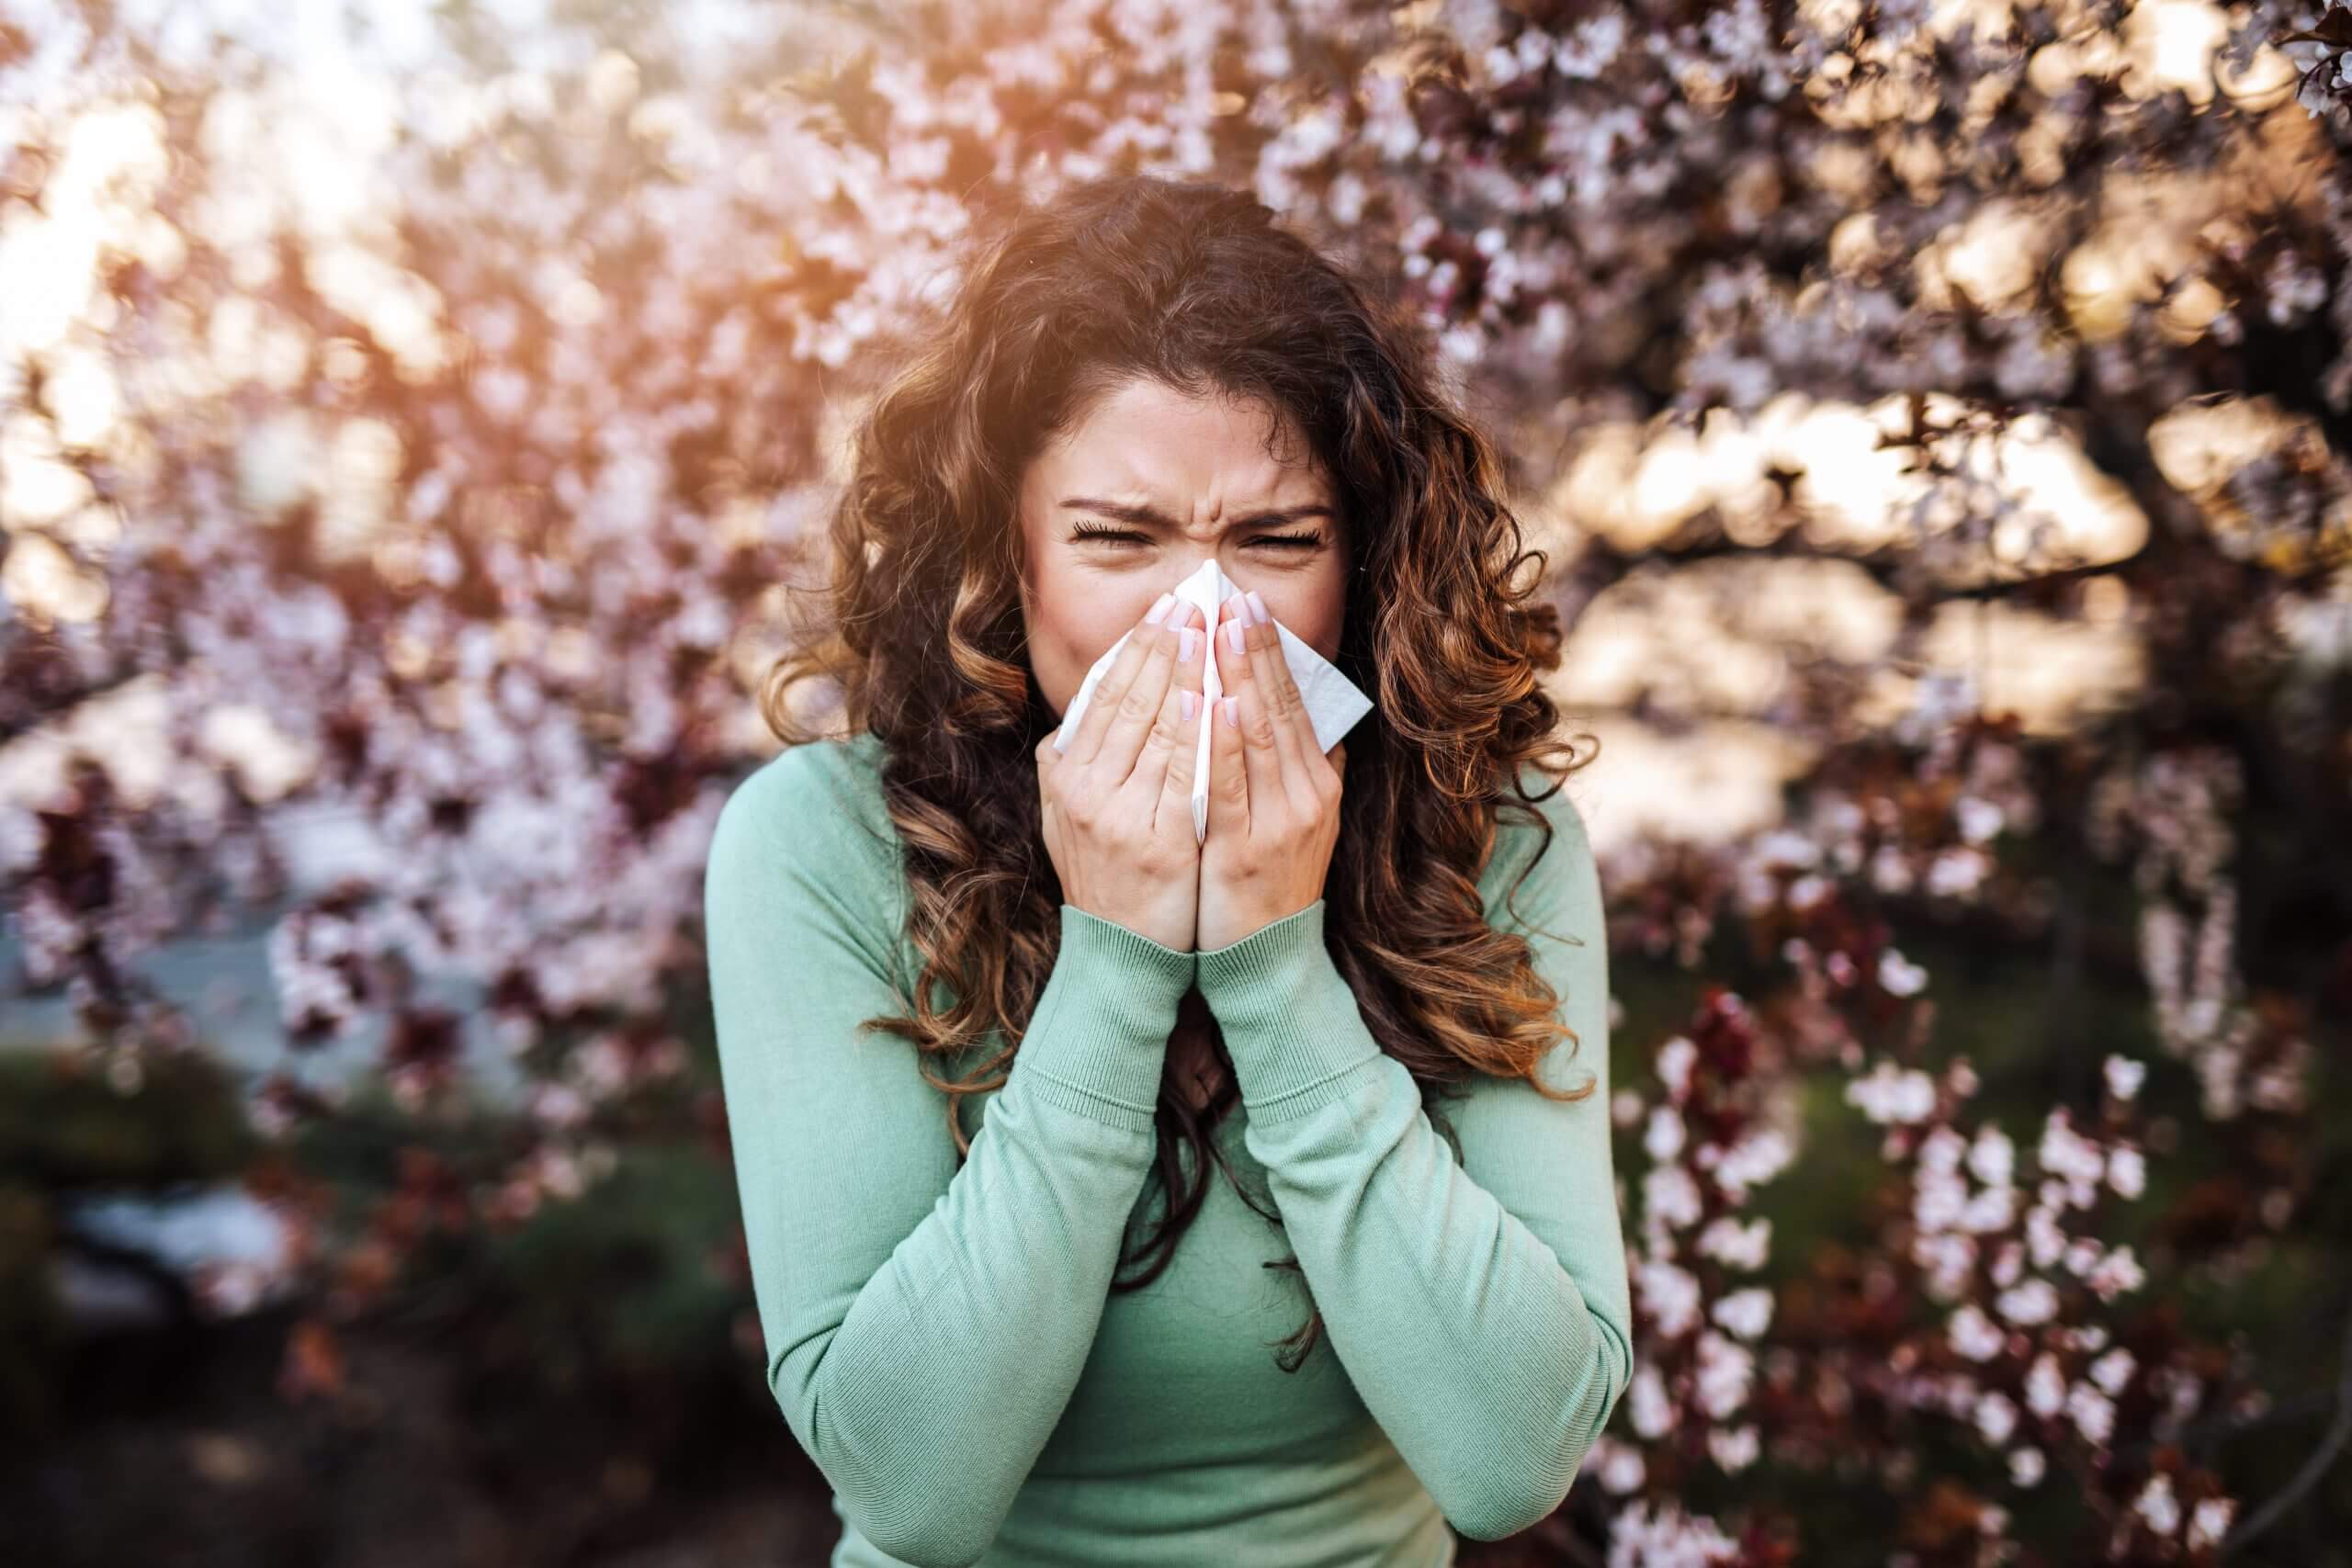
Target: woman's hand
<point>1117,807</point>
<point>1273,797</point>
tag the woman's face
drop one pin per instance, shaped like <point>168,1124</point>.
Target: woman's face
<point>1140,491</point>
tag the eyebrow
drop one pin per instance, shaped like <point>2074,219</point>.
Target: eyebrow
<point>1152,517</point>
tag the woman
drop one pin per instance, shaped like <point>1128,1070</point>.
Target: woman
<point>965,1242</point>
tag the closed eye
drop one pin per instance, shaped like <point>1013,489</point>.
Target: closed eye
<point>1308,540</point>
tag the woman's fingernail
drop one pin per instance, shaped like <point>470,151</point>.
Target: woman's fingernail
<point>1185,645</point>
<point>1258,607</point>
<point>1234,633</point>
<point>1232,706</point>
<point>1160,608</point>
<point>1186,702</point>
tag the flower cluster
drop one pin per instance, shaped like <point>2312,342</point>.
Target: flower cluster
<point>1712,1139</point>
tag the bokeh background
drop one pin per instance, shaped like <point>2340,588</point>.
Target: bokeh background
<point>1936,417</point>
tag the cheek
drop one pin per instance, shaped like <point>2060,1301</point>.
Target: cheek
<point>1067,632</point>
<point>1318,616</point>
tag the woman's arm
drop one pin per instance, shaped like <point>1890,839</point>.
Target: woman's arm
<point>925,1324</point>
<point>1481,1308</point>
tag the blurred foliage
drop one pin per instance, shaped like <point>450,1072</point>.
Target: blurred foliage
<point>67,1132</point>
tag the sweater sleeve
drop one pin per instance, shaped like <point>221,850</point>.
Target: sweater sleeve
<point>924,1324</point>
<point>1481,1307</point>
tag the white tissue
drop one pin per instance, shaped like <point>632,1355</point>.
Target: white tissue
<point>1332,700</point>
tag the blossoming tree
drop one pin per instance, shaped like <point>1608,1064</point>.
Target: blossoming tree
<point>417,435</point>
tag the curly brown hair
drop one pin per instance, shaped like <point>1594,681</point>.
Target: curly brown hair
<point>1193,285</point>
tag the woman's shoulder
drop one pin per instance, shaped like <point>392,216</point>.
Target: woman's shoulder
<point>804,885</point>
<point>820,801</point>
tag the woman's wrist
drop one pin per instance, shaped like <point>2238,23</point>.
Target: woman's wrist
<point>1290,1019</point>
<point>1101,1027</point>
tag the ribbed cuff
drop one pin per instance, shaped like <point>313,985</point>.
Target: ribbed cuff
<point>1290,1024</point>
<point>1098,1037</point>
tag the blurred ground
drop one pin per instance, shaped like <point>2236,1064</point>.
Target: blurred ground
<point>180,1454</point>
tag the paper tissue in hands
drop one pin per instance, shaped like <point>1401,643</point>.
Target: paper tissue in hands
<point>1332,700</point>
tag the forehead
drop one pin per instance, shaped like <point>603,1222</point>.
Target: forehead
<point>1147,439</point>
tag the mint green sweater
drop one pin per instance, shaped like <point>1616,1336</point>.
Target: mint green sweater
<point>943,1341</point>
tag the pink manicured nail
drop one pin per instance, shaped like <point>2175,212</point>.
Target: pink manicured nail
<point>1234,634</point>
<point>1232,709</point>
<point>1185,644</point>
<point>1186,703</point>
<point>1258,607</point>
<point>1160,608</point>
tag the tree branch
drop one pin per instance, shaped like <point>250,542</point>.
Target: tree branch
<point>2339,1432</point>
